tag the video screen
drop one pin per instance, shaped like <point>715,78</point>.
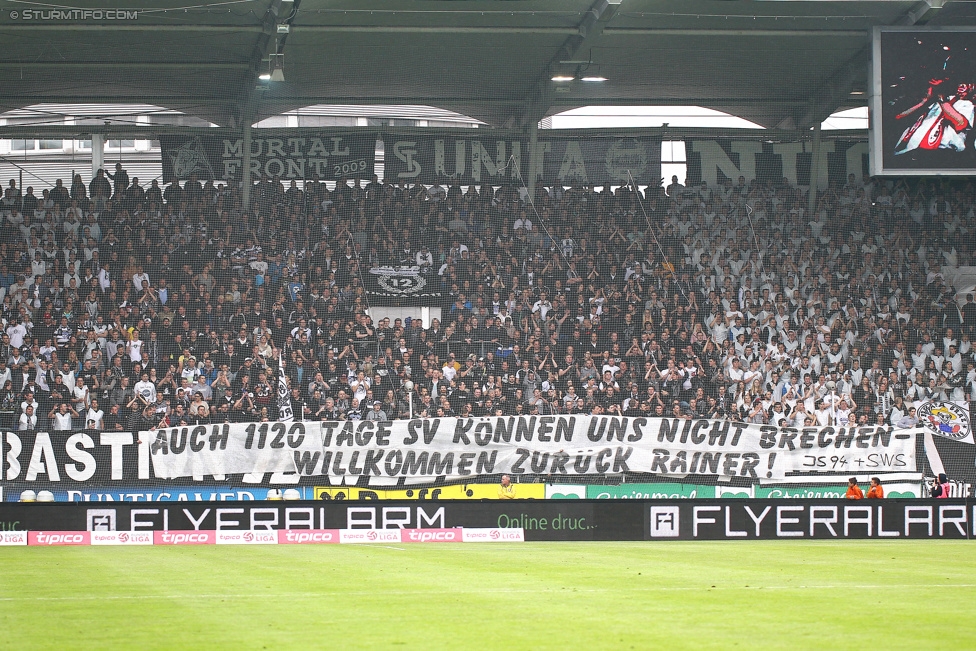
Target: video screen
<point>924,93</point>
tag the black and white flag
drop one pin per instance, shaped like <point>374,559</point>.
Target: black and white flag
<point>284,402</point>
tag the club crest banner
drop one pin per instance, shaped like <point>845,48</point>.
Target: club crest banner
<point>396,283</point>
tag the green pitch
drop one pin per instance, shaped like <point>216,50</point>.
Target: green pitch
<point>669,595</point>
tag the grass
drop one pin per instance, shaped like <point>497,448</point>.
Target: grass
<point>667,595</point>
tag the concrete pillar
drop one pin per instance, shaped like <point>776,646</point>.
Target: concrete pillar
<point>815,172</point>
<point>533,159</point>
<point>246,172</point>
<point>98,153</point>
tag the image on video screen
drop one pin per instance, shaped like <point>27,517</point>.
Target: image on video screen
<point>928,89</point>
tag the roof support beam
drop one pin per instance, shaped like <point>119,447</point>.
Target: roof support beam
<point>33,28</point>
<point>692,100</point>
<point>166,99</point>
<point>587,32</point>
<point>762,33</point>
<point>170,65</point>
<point>245,105</point>
<point>130,96</point>
<point>151,132</point>
<point>838,87</point>
<point>430,29</point>
<point>832,92</point>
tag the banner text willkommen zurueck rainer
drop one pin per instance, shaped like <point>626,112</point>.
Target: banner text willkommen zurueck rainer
<point>556,445</point>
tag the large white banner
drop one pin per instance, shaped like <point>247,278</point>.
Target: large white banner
<point>548,445</point>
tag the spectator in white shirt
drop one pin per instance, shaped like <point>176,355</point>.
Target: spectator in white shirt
<point>17,332</point>
<point>95,414</point>
<point>60,416</point>
<point>28,419</point>
<point>139,278</point>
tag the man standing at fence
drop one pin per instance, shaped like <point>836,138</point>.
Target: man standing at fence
<point>506,491</point>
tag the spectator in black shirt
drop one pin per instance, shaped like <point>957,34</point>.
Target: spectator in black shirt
<point>121,179</point>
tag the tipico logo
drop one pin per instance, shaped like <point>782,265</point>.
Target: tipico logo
<point>58,538</point>
<point>184,537</point>
<point>431,535</point>
<point>309,536</point>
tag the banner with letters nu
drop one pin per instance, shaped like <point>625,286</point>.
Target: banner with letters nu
<point>498,160</point>
<point>288,155</point>
<point>543,445</point>
<point>714,161</point>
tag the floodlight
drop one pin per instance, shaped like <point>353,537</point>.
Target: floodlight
<point>276,66</point>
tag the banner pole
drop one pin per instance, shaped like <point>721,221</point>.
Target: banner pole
<point>533,159</point>
<point>246,172</point>
<point>814,173</point>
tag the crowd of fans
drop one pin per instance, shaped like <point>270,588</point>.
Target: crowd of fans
<point>131,307</point>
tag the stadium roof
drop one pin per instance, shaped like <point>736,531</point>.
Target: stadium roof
<point>779,64</point>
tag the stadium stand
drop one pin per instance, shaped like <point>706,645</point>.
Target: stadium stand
<point>139,306</point>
